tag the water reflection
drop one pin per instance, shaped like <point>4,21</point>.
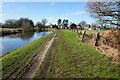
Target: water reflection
<point>18,40</point>
<point>27,35</point>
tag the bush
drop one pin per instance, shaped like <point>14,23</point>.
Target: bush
<point>112,38</point>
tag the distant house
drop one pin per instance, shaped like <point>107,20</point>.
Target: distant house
<point>50,26</point>
<point>79,27</point>
<point>94,27</point>
<point>73,26</point>
<point>86,28</point>
<point>60,27</point>
<point>90,29</point>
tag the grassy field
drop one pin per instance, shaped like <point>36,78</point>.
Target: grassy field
<point>74,59</point>
<point>9,29</point>
<point>90,32</point>
<point>16,61</point>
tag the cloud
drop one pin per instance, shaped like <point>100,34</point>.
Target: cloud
<point>53,3</point>
<point>2,15</point>
<point>78,13</point>
<point>50,18</point>
<point>55,19</point>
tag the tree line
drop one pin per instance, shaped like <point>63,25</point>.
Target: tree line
<point>25,23</point>
<point>28,24</point>
<point>20,23</point>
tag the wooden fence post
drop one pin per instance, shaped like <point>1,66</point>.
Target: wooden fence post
<point>74,30</point>
<point>77,30</point>
<point>83,36</point>
<point>97,39</point>
<point>79,34</point>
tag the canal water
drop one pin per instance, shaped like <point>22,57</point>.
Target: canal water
<point>11,42</point>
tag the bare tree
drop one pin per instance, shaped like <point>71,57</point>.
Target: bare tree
<point>83,23</point>
<point>10,23</point>
<point>105,12</point>
<point>39,26</point>
<point>44,21</point>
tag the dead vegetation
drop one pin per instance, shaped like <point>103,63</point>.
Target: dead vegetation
<point>112,38</point>
<point>108,42</point>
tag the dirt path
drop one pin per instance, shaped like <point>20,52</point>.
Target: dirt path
<point>37,61</point>
<point>44,69</point>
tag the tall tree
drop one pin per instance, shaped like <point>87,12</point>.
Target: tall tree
<point>59,22</point>
<point>105,12</point>
<point>65,23</point>
<point>26,24</point>
<point>27,20</point>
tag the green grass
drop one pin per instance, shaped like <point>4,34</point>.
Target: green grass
<point>9,29</point>
<point>74,59</point>
<point>16,60</point>
<point>92,32</point>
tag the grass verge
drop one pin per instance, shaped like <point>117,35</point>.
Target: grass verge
<point>74,59</point>
<point>15,62</point>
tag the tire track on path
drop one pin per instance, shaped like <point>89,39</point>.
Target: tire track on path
<point>33,67</point>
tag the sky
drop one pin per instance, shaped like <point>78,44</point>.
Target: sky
<point>52,11</point>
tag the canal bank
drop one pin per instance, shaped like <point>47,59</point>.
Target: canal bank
<point>68,57</point>
<point>15,63</point>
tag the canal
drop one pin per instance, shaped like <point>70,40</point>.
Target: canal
<point>11,42</point>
